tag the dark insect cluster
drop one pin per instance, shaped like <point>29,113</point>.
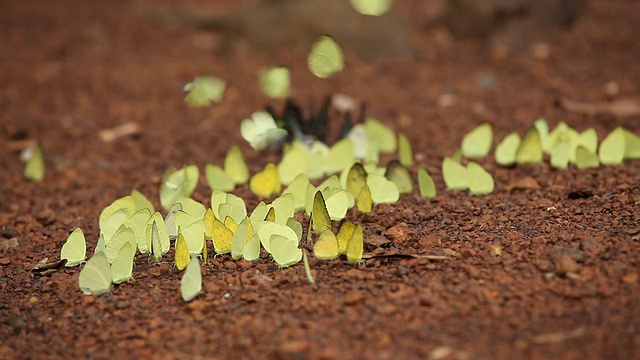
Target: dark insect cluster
<point>319,125</point>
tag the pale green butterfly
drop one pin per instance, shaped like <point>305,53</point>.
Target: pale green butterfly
<point>261,130</point>
<point>75,248</point>
<point>612,148</point>
<point>191,281</point>
<point>204,90</point>
<point>218,179</point>
<point>284,206</point>
<point>426,184</point>
<point>530,149</point>
<point>293,163</point>
<point>585,158</point>
<point>107,220</point>
<point>325,57</point>
<point>123,235</point>
<point>337,202</point>
<point>95,277</point>
<point>177,185</point>
<point>355,247</point>
<point>274,81</point>
<point>454,174</point>
<point>241,238</point>
<point>477,143</point>
<point>122,265</point>
<point>235,166</point>
<point>506,151</point>
<point>589,140</point>
<point>266,229</point>
<point>252,248</point>
<point>34,169</point>
<point>560,155</point>
<point>405,155</point>
<point>194,236</point>
<point>258,214</point>
<point>631,145</point>
<point>160,243</point>
<point>170,221</point>
<point>138,223</point>
<point>192,207</point>
<point>100,245</point>
<point>140,201</point>
<point>399,175</point>
<point>233,210</point>
<point>480,181</point>
<point>382,190</point>
<point>371,7</point>
<point>298,188</point>
<point>295,226</point>
<point>380,136</point>
<point>112,224</point>
<point>285,252</point>
<point>340,156</point>
<point>543,131</point>
<point>315,155</point>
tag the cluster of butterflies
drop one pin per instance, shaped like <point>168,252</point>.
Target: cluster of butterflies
<point>564,145</point>
<point>130,224</point>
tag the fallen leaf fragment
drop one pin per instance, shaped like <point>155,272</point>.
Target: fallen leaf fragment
<point>526,182</point>
<point>619,108</point>
<point>109,135</point>
<point>46,269</point>
<point>554,338</point>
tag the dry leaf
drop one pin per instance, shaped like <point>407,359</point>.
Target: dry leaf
<point>526,182</point>
<point>109,135</point>
<point>619,108</point>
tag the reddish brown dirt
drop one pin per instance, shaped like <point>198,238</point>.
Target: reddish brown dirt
<point>70,68</point>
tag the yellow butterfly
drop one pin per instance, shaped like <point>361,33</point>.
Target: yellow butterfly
<point>222,237</point>
<point>321,219</point>
<point>364,201</point>
<point>182,256</point>
<point>344,235</point>
<point>355,247</point>
<point>267,182</point>
<point>356,179</point>
<point>530,149</point>
<point>326,247</point>
<point>35,168</point>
